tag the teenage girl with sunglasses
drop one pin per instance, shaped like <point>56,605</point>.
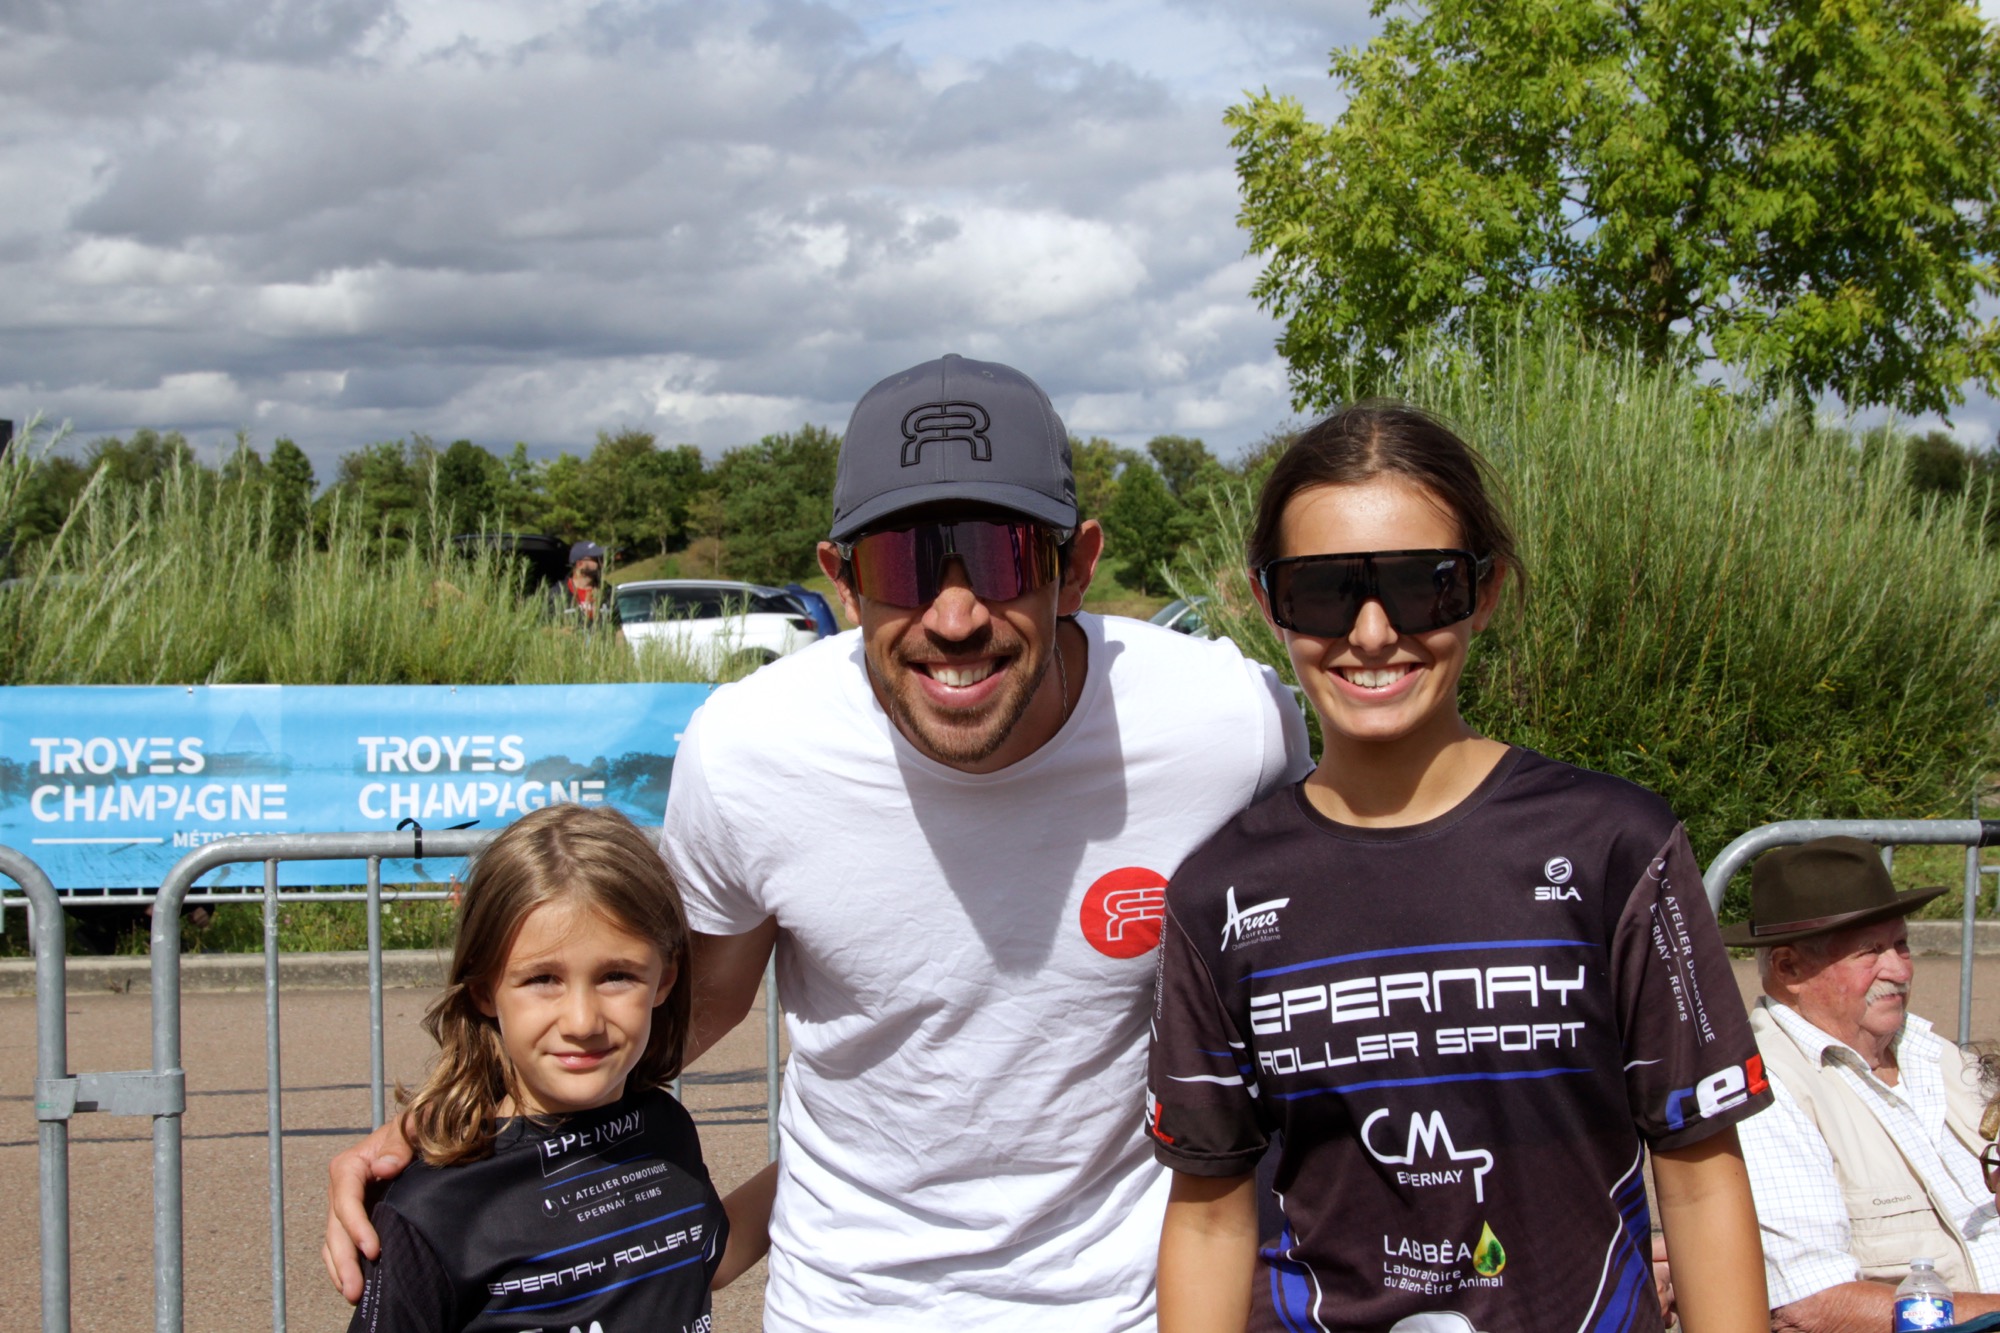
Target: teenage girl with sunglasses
<point>558,1183</point>
<point>1465,987</point>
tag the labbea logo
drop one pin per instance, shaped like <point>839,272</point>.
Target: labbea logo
<point>1259,921</point>
<point>1717,1093</point>
<point>946,423</point>
<point>1122,911</point>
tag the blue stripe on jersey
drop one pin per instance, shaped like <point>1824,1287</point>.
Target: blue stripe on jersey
<point>1291,1292</point>
<point>1425,1082</point>
<point>1421,948</point>
<point>585,1244</point>
<point>1631,1260</point>
<point>599,1291</point>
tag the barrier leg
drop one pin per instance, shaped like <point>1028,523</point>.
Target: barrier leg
<point>274,1096</point>
<point>46,935</point>
<point>376,1076</point>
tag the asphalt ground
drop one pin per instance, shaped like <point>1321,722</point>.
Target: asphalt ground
<point>325,1064</point>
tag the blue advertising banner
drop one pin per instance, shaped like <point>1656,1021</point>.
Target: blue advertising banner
<point>108,786</point>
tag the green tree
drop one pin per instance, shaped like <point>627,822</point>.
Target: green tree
<point>1808,190</point>
<point>618,483</point>
<point>1185,464</point>
<point>1146,527</point>
<point>518,498</point>
<point>1095,462</point>
<point>565,506</point>
<point>777,500</point>
<point>140,461</point>
<point>290,477</point>
<point>678,477</point>
<point>465,482</point>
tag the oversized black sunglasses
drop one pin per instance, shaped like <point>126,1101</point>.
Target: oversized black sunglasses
<point>1322,595</point>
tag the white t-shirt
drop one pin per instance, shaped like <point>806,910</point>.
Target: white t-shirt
<point>966,967</point>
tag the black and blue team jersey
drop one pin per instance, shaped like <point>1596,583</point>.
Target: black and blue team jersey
<point>1464,1031</point>
<point>604,1221</point>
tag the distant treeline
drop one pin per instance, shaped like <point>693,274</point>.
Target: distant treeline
<point>755,513</point>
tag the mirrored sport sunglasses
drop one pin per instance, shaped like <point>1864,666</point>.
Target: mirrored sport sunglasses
<point>1322,595</point>
<point>1002,560</point>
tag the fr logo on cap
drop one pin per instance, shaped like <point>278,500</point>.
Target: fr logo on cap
<point>1817,888</point>
<point>976,432</point>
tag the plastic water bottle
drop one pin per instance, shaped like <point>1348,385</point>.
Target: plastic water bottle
<point>1923,1301</point>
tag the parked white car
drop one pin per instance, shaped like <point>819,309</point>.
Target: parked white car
<point>716,622</point>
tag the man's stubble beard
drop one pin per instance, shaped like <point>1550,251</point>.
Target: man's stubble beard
<point>954,747</point>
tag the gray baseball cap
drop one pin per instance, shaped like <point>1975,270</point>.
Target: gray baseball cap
<point>954,429</point>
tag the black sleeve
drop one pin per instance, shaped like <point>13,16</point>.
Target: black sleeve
<point>1200,1107</point>
<point>1691,1064</point>
<point>408,1289</point>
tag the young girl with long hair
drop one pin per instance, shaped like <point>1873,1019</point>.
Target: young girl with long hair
<point>1465,987</point>
<point>558,1183</point>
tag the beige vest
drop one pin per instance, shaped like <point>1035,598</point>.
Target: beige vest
<point>1893,1216</point>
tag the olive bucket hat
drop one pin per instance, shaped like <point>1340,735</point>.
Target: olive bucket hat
<point>1819,887</point>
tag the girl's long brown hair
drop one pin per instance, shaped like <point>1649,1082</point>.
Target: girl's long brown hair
<point>586,857</point>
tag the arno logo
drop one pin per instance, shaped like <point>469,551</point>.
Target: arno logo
<point>946,423</point>
<point>1257,921</point>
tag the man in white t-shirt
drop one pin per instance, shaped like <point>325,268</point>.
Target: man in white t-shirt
<point>955,827</point>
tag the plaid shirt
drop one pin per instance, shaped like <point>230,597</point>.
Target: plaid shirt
<point>1799,1208</point>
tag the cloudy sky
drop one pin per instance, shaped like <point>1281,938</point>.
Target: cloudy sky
<point>351,220</point>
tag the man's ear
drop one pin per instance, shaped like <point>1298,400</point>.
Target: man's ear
<point>1084,550</point>
<point>829,563</point>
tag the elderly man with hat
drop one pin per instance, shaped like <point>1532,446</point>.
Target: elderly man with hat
<point>1869,1156</point>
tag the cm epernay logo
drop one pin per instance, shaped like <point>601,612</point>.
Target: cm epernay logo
<point>1256,922</point>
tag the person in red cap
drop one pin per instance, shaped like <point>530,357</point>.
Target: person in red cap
<point>1870,1154</point>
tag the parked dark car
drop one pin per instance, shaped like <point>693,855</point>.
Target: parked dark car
<point>544,560</point>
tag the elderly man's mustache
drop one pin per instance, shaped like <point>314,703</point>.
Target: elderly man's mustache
<point>1882,990</point>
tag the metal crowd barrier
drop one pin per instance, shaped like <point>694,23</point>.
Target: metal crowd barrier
<point>160,1092</point>
<point>1971,834</point>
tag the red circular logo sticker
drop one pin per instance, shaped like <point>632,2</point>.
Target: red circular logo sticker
<point>1122,912</point>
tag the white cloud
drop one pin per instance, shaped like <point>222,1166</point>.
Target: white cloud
<point>347,220</point>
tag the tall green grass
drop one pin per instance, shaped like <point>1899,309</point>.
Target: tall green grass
<point>1735,608</point>
<point>182,582</point>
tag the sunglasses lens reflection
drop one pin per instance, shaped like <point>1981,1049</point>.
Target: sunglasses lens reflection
<point>905,566</point>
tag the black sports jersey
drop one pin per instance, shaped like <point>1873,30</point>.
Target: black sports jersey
<point>601,1221</point>
<point>1465,1030</point>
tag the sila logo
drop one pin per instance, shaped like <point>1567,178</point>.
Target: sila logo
<point>1557,871</point>
<point>1122,911</point>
